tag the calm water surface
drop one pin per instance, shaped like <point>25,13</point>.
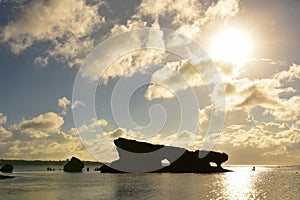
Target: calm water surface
<point>264,183</point>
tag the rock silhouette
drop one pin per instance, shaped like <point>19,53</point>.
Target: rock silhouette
<point>5,177</point>
<point>137,156</point>
<point>74,165</point>
<point>7,168</point>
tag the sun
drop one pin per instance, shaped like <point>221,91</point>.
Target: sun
<point>231,45</point>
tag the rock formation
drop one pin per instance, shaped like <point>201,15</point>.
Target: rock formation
<point>74,165</point>
<point>137,156</point>
<point>7,168</point>
<point>5,177</point>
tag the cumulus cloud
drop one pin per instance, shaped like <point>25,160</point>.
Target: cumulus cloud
<point>3,118</point>
<point>261,135</point>
<point>188,21</point>
<point>66,24</point>
<point>92,126</point>
<point>246,93</point>
<point>77,103</point>
<point>63,102</point>
<point>45,122</point>
<point>172,77</point>
<point>223,8</point>
<point>279,151</point>
<point>290,75</point>
<point>125,54</point>
<point>41,138</point>
<point>4,134</point>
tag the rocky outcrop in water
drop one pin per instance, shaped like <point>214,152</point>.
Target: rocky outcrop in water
<point>137,156</point>
<point>7,168</point>
<point>6,177</point>
<point>74,165</point>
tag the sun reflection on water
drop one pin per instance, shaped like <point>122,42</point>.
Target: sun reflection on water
<point>241,184</point>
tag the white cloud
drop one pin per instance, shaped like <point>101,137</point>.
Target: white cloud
<point>93,126</point>
<point>41,138</point>
<point>131,25</point>
<point>4,134</point>
<point>174,76</point>
<point>45,122</point>
<point>63,102</point>
<point>266,93</point>
<point>279,151</point>
<point>3,118</point>
<point>290,75</point>
<point>67,24</point>
<point>261,135</point>
<point>223,8</point>
<point>77,103</point>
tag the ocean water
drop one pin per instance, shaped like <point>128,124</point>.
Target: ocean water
<point>266,182</point>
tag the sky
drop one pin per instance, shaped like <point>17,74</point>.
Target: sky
<point>220,75</point>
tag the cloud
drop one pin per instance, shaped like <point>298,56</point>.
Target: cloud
<point>46,122</point>
<point>67,25</point>
<point>261,135</point>
<point>188,21</point>
<point>93,126</point>
<point>125,54</point>
<point>191,20</point>
<point>3,118</point>
<point>77,103</point>
<point>279,151</point>
<point>223,8</point>
<point>266,93</point>
<point>41,138</point>
<point>174,76</point>
<point>290,75</point>
<point>4,134</point>
<point>130,25</point>
<point>63,102</point>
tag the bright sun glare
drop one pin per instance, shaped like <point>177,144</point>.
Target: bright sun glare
<point>231,45</point>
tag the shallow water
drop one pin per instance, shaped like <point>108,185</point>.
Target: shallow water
<point>264,183</point>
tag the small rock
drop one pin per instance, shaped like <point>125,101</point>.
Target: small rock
<point>74,165</point>
<point>7,168</point>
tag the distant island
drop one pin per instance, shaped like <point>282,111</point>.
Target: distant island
<point>42,162</point>
<point>72,165</point>
<point>135,156</point>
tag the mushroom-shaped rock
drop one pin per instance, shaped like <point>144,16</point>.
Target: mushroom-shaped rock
<point>7,168</point>
<point>74,165</point>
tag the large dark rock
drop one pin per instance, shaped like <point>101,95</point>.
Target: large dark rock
<point>137,156</point>
<point>7,168</point>
<point>74,165</point>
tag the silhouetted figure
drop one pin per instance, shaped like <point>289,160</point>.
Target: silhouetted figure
<point>97,169</point>
<point>88,169</point>
<point>253,168</point>
<point>50,169</point>
<point>7,168</point>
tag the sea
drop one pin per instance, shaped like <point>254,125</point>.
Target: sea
<point>266,182</point>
